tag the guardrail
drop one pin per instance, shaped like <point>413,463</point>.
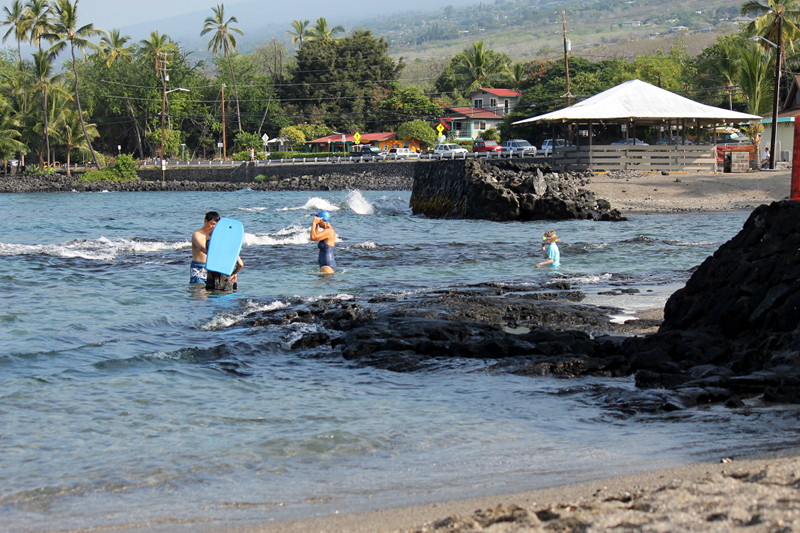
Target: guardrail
<point>336,159</point>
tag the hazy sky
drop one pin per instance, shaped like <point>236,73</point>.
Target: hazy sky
<point>119,14</point>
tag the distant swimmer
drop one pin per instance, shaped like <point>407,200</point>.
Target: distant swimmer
<point>197,270</point>
<point>550,250</point>
<point>322,232</point>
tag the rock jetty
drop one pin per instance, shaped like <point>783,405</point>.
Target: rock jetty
<point>503,190</point>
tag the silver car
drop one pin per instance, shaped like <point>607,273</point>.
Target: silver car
<point>517,147</point>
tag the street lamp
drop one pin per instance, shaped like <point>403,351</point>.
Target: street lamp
<point>163,114</point>
<point>776,93</point>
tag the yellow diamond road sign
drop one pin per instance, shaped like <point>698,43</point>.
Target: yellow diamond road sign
<point>357,137</point>
<point>440,129</point>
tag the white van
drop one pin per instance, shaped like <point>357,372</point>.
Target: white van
<point>549,144</point>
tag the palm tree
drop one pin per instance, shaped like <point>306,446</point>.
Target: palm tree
<point>752,75</point>
<point>114,47</point>
<point>15,20</point>
<point>299,31</point>
<point>37,21</point>
<point>478,67</point>
<point>65,31</point>
<point>9,132</point>
<point>776,23</point>
<point>224,41</point>
<point>44,82</point>
<point>155,47</point>
<point>322,31</point>
<point>71,135</point>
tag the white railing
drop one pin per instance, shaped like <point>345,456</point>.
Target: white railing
<point>336,159</point>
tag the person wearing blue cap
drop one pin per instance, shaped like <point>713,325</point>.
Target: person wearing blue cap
<point>322,232</point>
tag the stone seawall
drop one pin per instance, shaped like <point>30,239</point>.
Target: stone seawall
<point>383,175</point>
<point>378,176</point>
<point>505,190</point>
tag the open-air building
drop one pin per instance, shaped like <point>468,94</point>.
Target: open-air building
<point>633,106</point>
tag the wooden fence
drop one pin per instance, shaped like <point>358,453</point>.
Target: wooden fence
<point>692,157</point>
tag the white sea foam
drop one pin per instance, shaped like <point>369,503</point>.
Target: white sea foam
<point>225,320</point>
<point>313,204</point>
<point>358,204</point>
<point>366,245</point>
<point>101,249</point>
<point>291,235</point>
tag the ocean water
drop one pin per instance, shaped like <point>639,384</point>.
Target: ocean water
<point>132,401</point>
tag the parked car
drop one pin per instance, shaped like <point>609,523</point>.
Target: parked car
<point>518,147</point>
<point>481,146</point>
<point>401,153</point>
<point>675,139</point>
<point>549,144</point>
<point>366,150</point>
<point>631,141</point>
<point>450,149</point>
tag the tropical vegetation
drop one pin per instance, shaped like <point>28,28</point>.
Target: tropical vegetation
<point>85,94</point>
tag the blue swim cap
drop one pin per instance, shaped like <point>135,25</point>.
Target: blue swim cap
<point>324,215</point>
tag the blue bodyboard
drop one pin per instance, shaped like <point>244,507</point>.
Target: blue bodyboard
<point>224,246</point>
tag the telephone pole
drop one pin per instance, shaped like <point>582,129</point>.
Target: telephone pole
<point>224,142</point>
<point>161,67</point>
<point>567,48</point>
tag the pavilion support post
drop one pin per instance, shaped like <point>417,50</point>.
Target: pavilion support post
<point>795,190</point>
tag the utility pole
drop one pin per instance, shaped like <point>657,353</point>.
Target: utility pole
<point>567,48</point>
<point>161,66</point>
<point>224,142</point>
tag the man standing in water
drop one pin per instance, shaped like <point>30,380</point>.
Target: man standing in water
<point>197,271</point>
<point>322,232</point>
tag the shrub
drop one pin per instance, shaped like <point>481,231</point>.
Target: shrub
<point>244,155</point>
<point>36,170</point>
<point>123,170</point>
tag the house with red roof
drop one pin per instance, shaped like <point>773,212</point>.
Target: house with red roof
<point>488,109</point>
<point>466,123</point>
<point>500,101</point>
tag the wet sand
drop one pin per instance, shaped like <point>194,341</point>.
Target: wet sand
<point>753,494</point>
<point>756,494</point>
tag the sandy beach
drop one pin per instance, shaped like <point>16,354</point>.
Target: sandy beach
<point>632,192</point>
<point>754,494</point>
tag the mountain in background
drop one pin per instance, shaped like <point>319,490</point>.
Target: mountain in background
<point>262,23</point>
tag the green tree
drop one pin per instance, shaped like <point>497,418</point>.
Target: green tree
<point>66,32</point>
<point>246,141</point>
<point>37,21</point>
<point>45,79</point>
<point>474,68</point>
<point>419,130</point>
<point>406,103</point>
<point>224,41</point>
<point>776,20</point>
<point>114,47</point>
<point>71,134</point>
<point>299,31</point>
<point>294,136</point>
<point>15,20</point>
<point>337,81</point>
<point>322,31</point>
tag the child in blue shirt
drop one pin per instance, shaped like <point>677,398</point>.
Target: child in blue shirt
<point>550,250</point>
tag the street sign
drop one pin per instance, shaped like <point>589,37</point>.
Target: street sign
<point>440,129</point>
<point>357,137</point>
<point>265,138</point>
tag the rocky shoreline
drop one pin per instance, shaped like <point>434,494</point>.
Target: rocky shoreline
<point>387,178</point>
<point>729,336</point>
